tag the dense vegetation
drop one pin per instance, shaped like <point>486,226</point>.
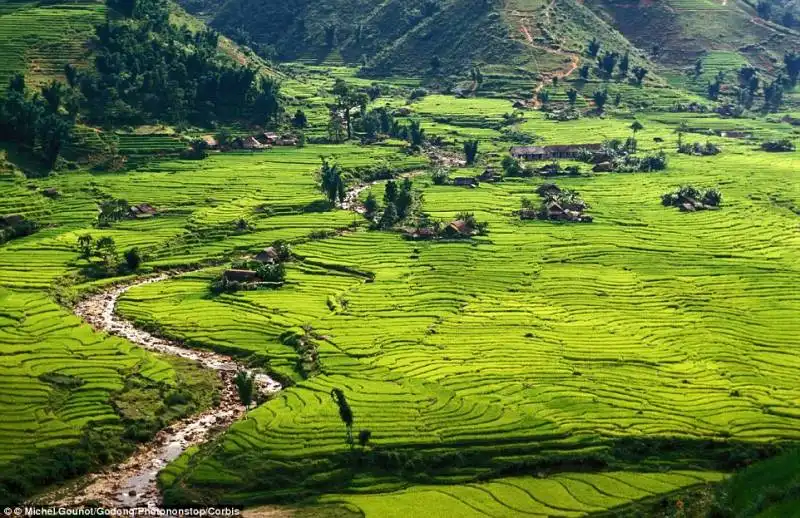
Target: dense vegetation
<point>147,69</point>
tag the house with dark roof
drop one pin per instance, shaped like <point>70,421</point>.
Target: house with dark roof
<point>457,228</point>
<point>240,276</point>
<point>465,181</point>
<point>567,151</point>
<point>143,210</point>
<point>268,255</point>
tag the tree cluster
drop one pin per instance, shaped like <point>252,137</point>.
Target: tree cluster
<point>399,202</point>
<point>147,70</point>
<point>41,122</point>
<point>690,199</point>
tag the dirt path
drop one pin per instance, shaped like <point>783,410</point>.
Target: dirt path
<point>133,482</point>
<point>560,74</point>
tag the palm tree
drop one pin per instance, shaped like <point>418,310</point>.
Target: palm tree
<point>636,127</point>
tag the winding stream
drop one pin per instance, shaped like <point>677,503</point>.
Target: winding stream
<point>133,482</point>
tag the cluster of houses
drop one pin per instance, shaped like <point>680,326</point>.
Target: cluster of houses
<point>557,205</point>
<point>565,151</point>
<point>456,229</point>
<point>259,141</point>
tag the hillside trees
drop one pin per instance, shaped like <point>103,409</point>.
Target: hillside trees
<point>792,62</point>
<point>147,70</point>
<point>41,123</point>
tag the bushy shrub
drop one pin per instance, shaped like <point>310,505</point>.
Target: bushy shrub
<point>778,145</point>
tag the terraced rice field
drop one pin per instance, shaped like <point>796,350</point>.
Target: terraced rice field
<point>39,40</point>
<point>39,338</point>
<point>541,342</point>
<point>572,494</point>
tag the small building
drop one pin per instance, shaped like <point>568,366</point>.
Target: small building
<point>51,192</point>
<point>457,228</point>
<point>566,151</point>
<point>548,189</point>
<point>240,276</point>
<point>210,142</point>
<point>286,141</point>
<point>267,138</point>
<point>268,256</point>
<point>528,152</point>
<point>143,210</point>
<point>489,175</point>
<point>465,181</point>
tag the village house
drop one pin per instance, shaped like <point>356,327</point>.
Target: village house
<point>248,143</point>
<point>465,181</point>
<point>210,142</point>
<point>240,276</point>
<point>489,175</point>
<point>566,151</point>
<point>268,256</point>
<point>143,210</point>
<point>457,228</point>
<point>267,138</point>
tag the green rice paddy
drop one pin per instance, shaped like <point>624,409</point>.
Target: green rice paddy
<point>543,369</point>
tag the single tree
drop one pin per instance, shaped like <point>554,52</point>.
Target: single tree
<point>584,72</point>
<point>436,64</point>
<point>245,387</point>
<point>299,120</point>
<point>133,259</point>
<point>363,438</point>
<point>389,216</point>
<point>698,68</point>
<point>639,73</point>
<point>636,127</point>
<point>331,182</point>
<point>593,48</point>
<point>371,205</point>
<point>471,151</point>
<point>106,250</point>
<point>543,96</point>
<point>624,64</point>
<point>572,96</point>
<point>85,247</point>
<point>792,62</point>
<point>714,90</point>
<point>345,413</point>
<point>416,133</point>
<point>600,97</point>
<point>390,192</point>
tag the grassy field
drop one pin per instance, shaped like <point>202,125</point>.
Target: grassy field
<point>42,341</point>
<point>38,40</point>
<point>538,345</point>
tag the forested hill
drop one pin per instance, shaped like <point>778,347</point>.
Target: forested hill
<point>398,36</point>
<point>143,67</point>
